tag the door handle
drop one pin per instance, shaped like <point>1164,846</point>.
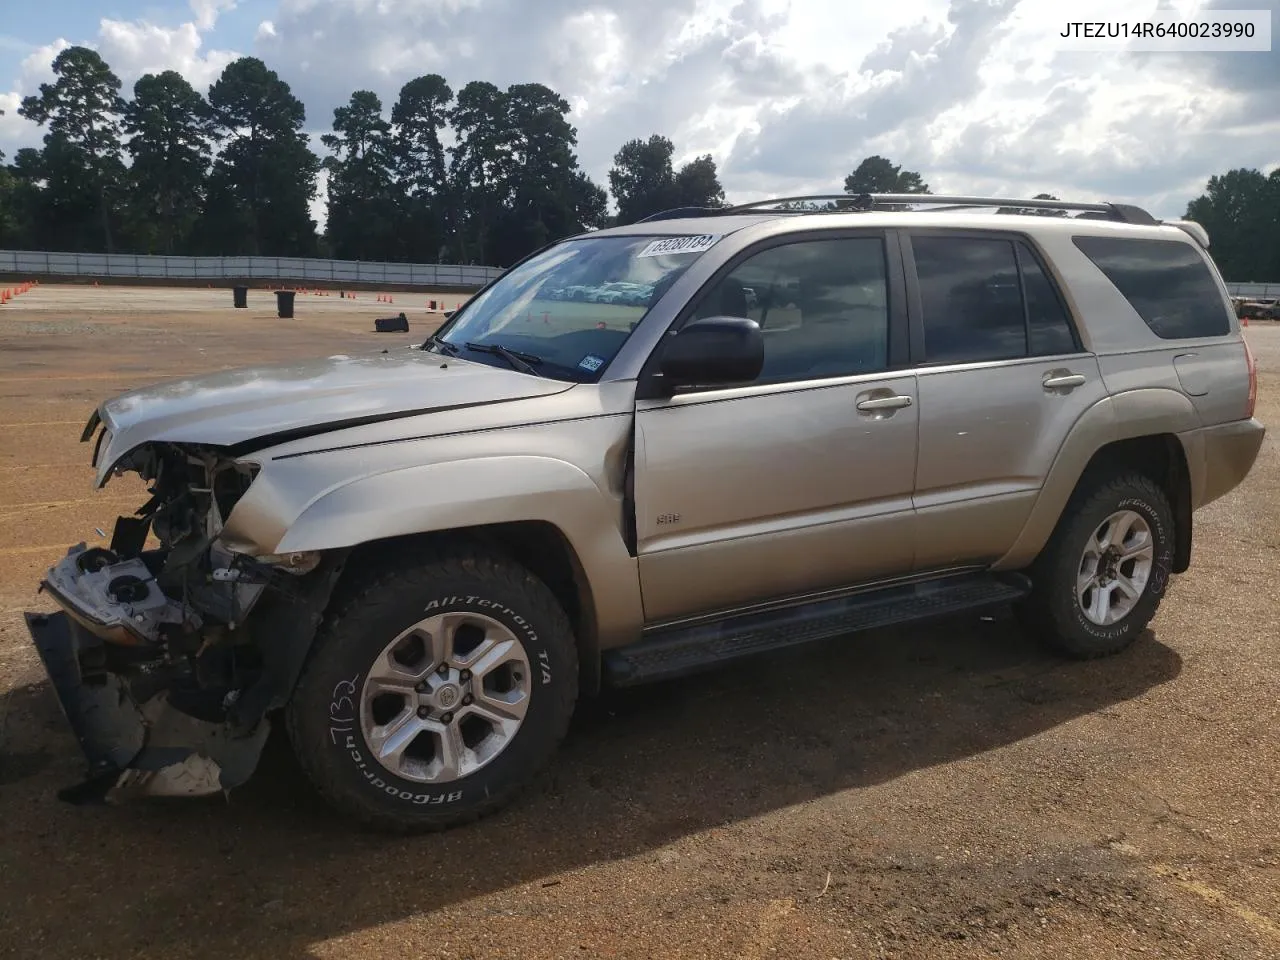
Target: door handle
<point>884,403</point>
<point>1064,381</point>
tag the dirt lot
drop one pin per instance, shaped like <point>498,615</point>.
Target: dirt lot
<point>938,793</point>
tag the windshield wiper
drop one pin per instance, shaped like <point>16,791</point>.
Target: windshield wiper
<point>524,362</point>
<point>445,347</point>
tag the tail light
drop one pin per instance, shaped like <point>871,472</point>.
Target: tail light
<point>1253,378</point>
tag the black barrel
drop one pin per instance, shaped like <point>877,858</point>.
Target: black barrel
<point>398,324</point>
<point>284,304</point>
<point>240,296</point>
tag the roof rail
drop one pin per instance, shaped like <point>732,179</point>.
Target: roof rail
<point>1123,212</point>
<point>681,213</point>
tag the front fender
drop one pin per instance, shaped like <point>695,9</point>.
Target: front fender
<point>476,492</point>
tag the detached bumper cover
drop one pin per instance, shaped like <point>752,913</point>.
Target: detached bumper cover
<point>104,719</point>
<point>144,749</point>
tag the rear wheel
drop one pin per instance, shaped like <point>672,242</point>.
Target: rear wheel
<point>436,694</point>
<point>1104,572</point>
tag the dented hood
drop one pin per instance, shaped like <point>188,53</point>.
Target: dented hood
<point>256,406</point>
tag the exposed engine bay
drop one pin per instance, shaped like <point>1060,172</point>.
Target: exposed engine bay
<point>174,648</point>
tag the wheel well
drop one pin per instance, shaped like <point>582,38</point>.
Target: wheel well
<point>539,547</point>
<point>1160,458</point>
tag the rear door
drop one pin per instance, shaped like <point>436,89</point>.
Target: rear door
<point>1002,378</point>
<point>800,481</point>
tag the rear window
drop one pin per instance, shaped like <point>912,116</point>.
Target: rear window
<point>1166,281</point>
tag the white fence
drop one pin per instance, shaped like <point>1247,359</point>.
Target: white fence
<point>1254,289</point>
<point>290,269</point>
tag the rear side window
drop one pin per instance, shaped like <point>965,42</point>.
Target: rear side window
<point>1166,281</point>
<point>1048,329</point>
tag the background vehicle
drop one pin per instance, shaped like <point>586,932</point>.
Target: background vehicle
<point>425,558</point>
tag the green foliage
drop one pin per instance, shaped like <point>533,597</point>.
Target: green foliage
<point>1240,209</point>
<point>169,126</point>
<point>83,167</point>
<point>265,178</point>
<point>170,171</point>
<point>363,192</point>
<point>877,174</point>
<point>644,182</point>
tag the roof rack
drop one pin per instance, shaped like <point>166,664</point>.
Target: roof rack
<point>1122,212</point>
<point>681,213</point>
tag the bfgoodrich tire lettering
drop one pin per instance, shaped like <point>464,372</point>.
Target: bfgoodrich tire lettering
<point>325,712</point>
<point>1054,610</point>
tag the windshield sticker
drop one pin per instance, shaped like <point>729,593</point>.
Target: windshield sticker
<point>591,363</point>
<point>672,246</point>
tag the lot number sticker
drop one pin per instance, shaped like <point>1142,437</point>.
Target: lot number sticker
<point>671,246</point>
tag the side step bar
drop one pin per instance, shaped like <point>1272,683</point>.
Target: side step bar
<point>672,652</point>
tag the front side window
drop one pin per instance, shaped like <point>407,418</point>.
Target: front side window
<point>822,305</point>
<point>566,312</point>
<point>1166,281</point>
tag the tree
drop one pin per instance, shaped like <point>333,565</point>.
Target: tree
<point>698,184</point>
<point>263,183</point>
<point>363,208</point>
<point>477,168</point>
<point>642,180</point>
<point>1035,211</point>
<point>417,118</point>
<point>1240,209</point>
<point>548,196</point>
<point>169,126</point>
<point>877,174</point>
<point>81,108</point>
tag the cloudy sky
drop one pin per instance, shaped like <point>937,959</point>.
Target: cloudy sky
<point>788,95</point>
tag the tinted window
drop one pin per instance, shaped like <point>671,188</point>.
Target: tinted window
<point>1048,328</point>
<point>1167,282</point>
<point>823,306</point>
<point>971,299</point>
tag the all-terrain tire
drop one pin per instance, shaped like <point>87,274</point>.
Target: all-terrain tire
<point>323,715</point>
<point>1053,612</point>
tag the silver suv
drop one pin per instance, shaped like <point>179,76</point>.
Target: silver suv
<point>796,425</point>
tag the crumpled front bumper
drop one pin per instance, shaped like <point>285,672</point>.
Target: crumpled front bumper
<point>149,749</point>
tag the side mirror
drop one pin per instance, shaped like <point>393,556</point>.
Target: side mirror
<point>717,350</point>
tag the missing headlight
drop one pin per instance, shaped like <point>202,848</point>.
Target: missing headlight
<point>231,481</point>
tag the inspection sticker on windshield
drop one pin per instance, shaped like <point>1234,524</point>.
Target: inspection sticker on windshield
<point>591,362</point>
<point>672,246</point>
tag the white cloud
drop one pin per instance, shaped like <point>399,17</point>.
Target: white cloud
<point>135,48</point>
<point>319,206</point>
<point>786,95</point>
<point>131,48</point>
<point>208,11</point>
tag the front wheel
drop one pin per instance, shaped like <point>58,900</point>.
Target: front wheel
<point>435,694</point>
<point>1104,572</point>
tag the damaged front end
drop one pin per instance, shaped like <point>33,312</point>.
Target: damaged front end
<point>171,649</point>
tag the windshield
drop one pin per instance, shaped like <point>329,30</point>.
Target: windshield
<point>566,312</point>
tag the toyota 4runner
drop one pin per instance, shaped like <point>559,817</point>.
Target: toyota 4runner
<point>640,452</point>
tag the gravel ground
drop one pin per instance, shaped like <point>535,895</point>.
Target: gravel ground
<point>943,792</point>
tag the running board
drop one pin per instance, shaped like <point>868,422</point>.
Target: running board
<point>675,651</point>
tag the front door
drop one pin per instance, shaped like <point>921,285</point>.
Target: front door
<point>800,481</point>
